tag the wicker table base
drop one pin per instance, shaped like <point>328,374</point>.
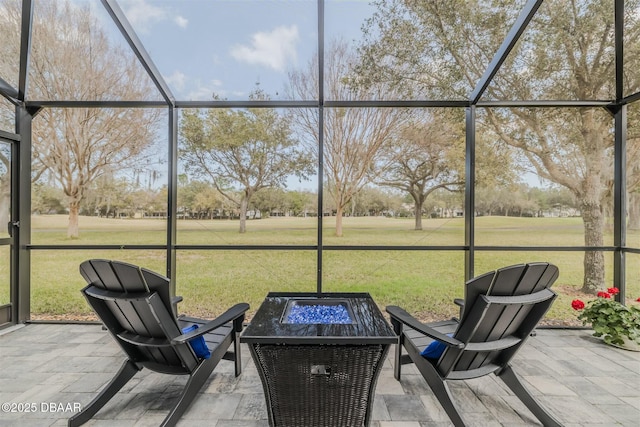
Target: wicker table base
<point>319,374</point>
<point>319,385</point>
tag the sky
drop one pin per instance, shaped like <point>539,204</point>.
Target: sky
<point>226,47</point>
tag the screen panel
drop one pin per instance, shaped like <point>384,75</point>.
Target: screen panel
<point>632,279</point>
<point>631,82</point>
<point>422,282</point>
<point>102,176</point>
<point>566,53</point>
<point>247,177</point>
<point>78,54</point>
<point>5,275</point>
<point>212,281</point>
<point>544,177</point>
<point>633,175</point>
<point>56,281</point>
<point>413,50</point>
<point>224,49</point>
<point>5,188</point>
<point>7,116</point>
<point>393,176</point>
<point>10,19</point>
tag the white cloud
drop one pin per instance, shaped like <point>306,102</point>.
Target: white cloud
<point>177,79</point>
<point>204,92</point>
<point>143,15</point>
<point>181,21</point>
<point>272,49</point>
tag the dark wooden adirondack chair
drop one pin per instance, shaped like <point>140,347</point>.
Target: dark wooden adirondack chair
<point>135,306</point>
<point>499,312</point>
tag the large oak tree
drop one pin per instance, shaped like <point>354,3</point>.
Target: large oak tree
<point>242,151</point>
<point>426,155</point>
<point>72,58</point>
<point>440,49</point>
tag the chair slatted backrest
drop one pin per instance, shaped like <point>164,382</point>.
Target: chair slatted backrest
<point>493,331</point>
<point>508,322</point>
<point>137,316</point>
<point>120,276</point>
<point>520,279</point>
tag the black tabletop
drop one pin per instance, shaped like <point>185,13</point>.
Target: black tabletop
<point>368,326</point>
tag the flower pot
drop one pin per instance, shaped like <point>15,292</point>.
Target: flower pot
<point>627,344</point>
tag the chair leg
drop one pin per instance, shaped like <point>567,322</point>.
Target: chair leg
<point>237,354</point>
<point>438,385</point>
<point>126,372</point>
<point>441,390</point>
<point>397,328</point>
<point>191,389</point>
<point>196,380</point>
<point>397,370</point>
<point>513,382</point>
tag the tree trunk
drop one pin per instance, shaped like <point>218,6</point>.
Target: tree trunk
<point>634,211</point>
<point>5,204</point>
<point>418,214</point>
<point>244,203</point>
<point>4,211</point>
<point>339,221</point>
<point>73,230</point>
<point>593,236</point>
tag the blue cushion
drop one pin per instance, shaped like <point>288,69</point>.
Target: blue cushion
<point>197,344</point>
<point>435,349</point>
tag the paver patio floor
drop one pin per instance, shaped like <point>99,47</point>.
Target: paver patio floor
<point>54,368</point>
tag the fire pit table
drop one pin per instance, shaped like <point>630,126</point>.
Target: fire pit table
<point>319,357</point>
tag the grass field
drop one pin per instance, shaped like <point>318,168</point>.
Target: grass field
<point>424,282</point>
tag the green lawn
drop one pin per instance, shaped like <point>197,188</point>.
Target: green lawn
<point>424,282</point>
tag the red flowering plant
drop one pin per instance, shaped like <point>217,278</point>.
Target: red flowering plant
<point>609,319</point>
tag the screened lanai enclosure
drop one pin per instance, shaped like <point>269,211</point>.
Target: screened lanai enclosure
<point>393,147</point>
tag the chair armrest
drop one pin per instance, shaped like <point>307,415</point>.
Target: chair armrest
<point>234,313</point>
<point>405,318</point>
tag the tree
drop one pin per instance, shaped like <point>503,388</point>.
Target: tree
<point>633,165</point>
<point>207,203</point>
<point>198,199</point>
<point>353,136</point>
<point>252,148</point>
<point>270,200</point>
<point>442,49</point>
<point>73,59</point>
<point>302,203</point>
<point>9,52</point>
<point>47,199</point>
<point>375,201</point>
<point>450,201</point>
<point>104,195</point>
<point>428,154</point>
<point>5,185</point>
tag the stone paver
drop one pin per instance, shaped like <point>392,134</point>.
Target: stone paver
<point>52,367</point>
